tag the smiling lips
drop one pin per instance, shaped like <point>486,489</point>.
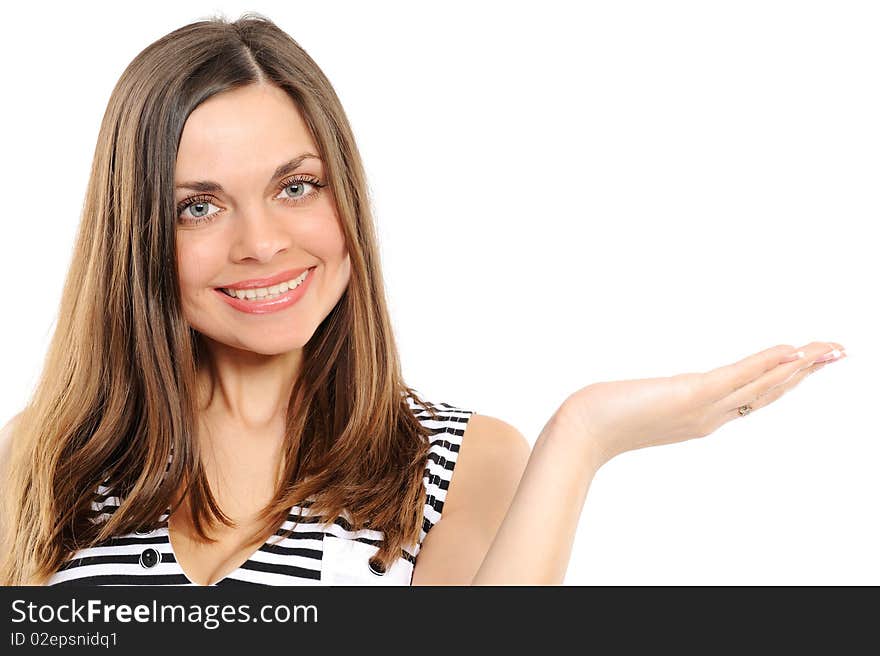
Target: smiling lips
<point>256,283</point>
<point>264,295</point>
<point>265,291</point>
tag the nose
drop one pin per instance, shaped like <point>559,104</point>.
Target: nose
<point>260,235</point>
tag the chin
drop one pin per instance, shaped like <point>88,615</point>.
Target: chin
<point>265,346</point>
<point>260,344</point>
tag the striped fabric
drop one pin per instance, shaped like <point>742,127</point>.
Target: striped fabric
<point>311,555</point>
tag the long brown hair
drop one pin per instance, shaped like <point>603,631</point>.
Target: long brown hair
<point>116,395</point>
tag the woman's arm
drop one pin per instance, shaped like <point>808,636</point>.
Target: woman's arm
<point>489,465</point>
<point>533,543</point>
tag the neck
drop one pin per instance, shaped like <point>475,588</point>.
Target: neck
<point>250,390</point>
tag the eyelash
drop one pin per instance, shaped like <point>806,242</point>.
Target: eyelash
<point>201,198</point>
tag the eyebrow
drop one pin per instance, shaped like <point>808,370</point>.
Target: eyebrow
<point>207,186</point>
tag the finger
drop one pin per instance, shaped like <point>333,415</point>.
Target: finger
<point>725,380</point>
<point>778,391</point>
<point>776,382</point>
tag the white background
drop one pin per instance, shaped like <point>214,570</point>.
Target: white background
<point>565,193</point>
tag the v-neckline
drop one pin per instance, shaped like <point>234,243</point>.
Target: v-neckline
<point>167,528</point>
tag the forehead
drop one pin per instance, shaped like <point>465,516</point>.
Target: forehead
<point>250,129</point>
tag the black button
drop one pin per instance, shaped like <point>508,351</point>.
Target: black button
<point>376,567</point>
<point>150,558</point>
<point>142,531</point>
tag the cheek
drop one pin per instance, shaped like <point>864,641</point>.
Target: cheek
<point>196,266</point>
<point>321,236</point>
<point>330,247</point>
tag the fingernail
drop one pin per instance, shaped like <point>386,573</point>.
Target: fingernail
<point>832,355</point>
<point>797,355</point>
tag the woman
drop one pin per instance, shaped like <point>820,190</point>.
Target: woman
<point>222,402</point>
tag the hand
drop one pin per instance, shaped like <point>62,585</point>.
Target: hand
<point>625,415</point>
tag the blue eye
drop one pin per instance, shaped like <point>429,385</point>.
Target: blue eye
<point>196,203</point>
<point>200,203</point>
<point>300,182</point>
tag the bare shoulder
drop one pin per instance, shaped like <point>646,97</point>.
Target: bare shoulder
<point>5,450</point>
<point>491,460</point>
<point>6,438</point>
<point>490,463</point>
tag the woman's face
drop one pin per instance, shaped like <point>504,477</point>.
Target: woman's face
<point>251,224</point>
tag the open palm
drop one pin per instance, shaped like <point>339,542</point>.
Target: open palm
<point>620,416</point>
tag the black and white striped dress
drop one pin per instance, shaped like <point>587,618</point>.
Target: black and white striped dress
<point>311,555</point>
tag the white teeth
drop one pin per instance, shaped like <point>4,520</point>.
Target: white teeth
<point>268,292</point>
